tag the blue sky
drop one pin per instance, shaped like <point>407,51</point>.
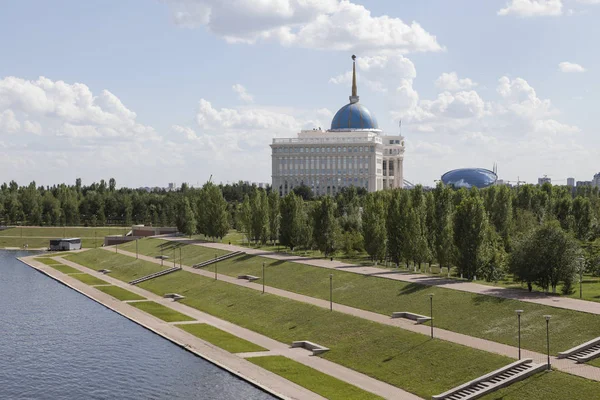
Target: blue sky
<point>176,90</point>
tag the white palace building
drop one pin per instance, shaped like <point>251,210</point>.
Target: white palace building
<point>354,152</point>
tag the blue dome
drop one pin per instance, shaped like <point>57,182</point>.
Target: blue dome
<point>353,116</point>
<point>469,177</point>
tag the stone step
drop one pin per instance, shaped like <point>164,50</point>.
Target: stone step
<point>221,258</point>
<point>493,381</point>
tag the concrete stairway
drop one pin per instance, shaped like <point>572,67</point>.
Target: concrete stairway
<point>493,381</point>
<point>584,352</point>
<point>214,260</point>
<point>154,275</point>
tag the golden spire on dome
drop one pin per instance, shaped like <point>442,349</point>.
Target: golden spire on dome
<point>354,97</point>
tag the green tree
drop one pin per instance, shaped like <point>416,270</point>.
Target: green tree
<point>501,214</point>
<point>418,236</point>
<point>292,221</point>
<point>470,224</point>
<point>245,217</point>
<point>582,217</point>
<point>444,241</point>
<point>274,216</point>
<point>259,216</point>
<point>216,214</point>
<point>373,226</point>
<point>398,226</point>
<point>326,226</point>
<point>547,256</point>
<point>186,220</point>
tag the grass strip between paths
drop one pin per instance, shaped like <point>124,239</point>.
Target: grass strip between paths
<point>47,261</point>
<point>88,279</point>
<point>404,359</point>
<point>401,358</point>
<point>120,293</point>
<point>65,269</point>
<point>486,317</point>
<point>159,311</point>
<point>549,385</point>
<point>128,267</point>
<point>191,254</point>
<point>220,338</point>
<point>313,380</point>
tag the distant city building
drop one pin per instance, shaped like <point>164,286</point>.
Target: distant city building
<point>596,181</point>
<point>353,152</point>
<point>543,180</point>
<point>583,183</point>
<point>470,177</point>
<point>171,186</point>
<point>571,182</point>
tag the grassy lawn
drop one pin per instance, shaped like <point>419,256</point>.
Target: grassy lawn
<point>162,312</point>
<point>120,293</point>
<point>315,381</point>
<point>65,269</point>
<point>122,267</point>
<point>547,386</point>
<point>404,359</point>
<point>222,339</point>
<point>595,362</point>
<point>88,279</point>
<point>476,315</point>
<point>56,254</point>
<point>60,232</point>
<point>47,261</point>
<point>190,253</point>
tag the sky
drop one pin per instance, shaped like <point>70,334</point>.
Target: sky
<point>158,91</point>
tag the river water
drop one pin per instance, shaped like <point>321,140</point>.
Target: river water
<point>57,344</point>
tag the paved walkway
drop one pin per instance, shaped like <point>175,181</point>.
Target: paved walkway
<point>305,357</point>
<point>405,276</point>
<point>564,365</point>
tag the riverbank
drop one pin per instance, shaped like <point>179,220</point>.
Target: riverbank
<point>235,365</point>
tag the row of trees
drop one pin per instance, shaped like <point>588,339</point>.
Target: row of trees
<point>535,232</point>
<point>481,233</point>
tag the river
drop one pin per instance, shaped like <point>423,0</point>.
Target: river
<point>57,344</point>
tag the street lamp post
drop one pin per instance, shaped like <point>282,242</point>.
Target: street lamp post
<point>174,258</point>
<point>548,337</point>
<point>330,292</point>
<point>95,243</point>
<point>216,267</point>
<point>431,312</point>
<point>581,261</point>
<point>519,312</point>
<point>263,277</point>
<point>180,259</point>
<point>136,249</point>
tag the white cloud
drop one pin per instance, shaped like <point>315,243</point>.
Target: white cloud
<point>532,8</point>
<point>589,1</point>
<point>568,67</point>
<point>314,24</point>
<point>243,93</point>
<point>451,82</point>
<point>8,122</point>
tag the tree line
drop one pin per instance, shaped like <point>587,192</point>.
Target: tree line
<point>544,235</point>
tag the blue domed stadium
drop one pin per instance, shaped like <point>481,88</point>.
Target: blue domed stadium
<point>353,116</point>
<point>470,177</point>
